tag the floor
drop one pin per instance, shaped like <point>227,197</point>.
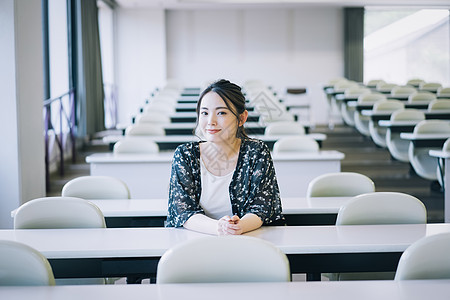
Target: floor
<point>361,155</point>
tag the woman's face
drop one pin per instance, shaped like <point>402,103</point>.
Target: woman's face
<point>216,122</point>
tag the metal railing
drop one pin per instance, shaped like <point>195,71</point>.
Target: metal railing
<point>59,119</point>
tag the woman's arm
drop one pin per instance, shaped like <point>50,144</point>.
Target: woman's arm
<point>223,226</point>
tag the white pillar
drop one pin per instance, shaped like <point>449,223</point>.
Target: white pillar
<point>22,166</point>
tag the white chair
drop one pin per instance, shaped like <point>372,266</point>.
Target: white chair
<point>374,82</point>
<point>423,96</point>
<point>347,111</point>
<point>21,265</point>
<point>145,129</point>
<point>361,121</point>
<point>415,82</point>
<point>403,91</point>
<point>58,212</point>
<point>160,106</point>
<point>223,259</point>
<point>385,88</point>
<point>295,144</point>
<point>377,133</point>
<point>440,169</point>
<point>439,104</point>
<point>61,213</point>
<point>340,184</point>
<point>443,92</point>
<point>284,128</point>
<point>426,258</point>
<point>379,208</point>
<point>153,118</point>
<point>430,86</point>
<point>424,165</point>
<point>397,146</point>
<point>96,187</point>
<point>382,208</point>
<point>135,145</point>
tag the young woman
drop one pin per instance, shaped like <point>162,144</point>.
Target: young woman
<point>225,184</point>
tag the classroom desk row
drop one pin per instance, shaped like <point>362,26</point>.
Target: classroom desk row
<point>171,142</point>
<point>135,252</point>
<point>125,213</point>
<point>367,290</point>
<point>148,176</point>
<point>444,156</point>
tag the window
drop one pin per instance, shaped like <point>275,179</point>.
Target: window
<point>407,43</point>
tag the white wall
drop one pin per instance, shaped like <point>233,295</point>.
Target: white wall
<point>283,47</point>
<point>22,172</point>
<point>140,57</point>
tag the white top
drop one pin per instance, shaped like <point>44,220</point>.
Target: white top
<point>215,196</point>
<point>337,290</point>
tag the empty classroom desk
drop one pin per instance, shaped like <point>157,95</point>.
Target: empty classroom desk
<point>135,252</point>
<point>152,212</point>
<point>343,290</point>
<point>148,175</point>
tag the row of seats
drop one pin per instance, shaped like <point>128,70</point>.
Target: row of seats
<point>375,94</point>
<point>176,266</point>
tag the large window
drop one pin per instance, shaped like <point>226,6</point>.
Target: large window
<point>407,43</point>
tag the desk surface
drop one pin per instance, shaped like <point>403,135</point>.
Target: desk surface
<point>424,136</point>
<point>153,242</point>
<point>167,157</point>
<point>342,290</point>
<point>439,153</point>
<point>158,207</point>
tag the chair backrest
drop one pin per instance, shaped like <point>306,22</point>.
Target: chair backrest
<point>284,128</point>
<point>96,187</point>
<point>166,107</point>
<point>415,82</point>
<point>388,105</point>
<point>341,86</point>
<point>340,184</point>
<point>356,91</point>
<point>223,259</point>
<point>21,265</point>
<point>443,92</point>
<point>145,129</point>
<point>407,114</point>
<point>384,87</point>
<point>446,146</point>
<point>295,144</point>
<point>58,212</point>
<point>423,96</point>
<point>371,98</point>
<point>439,104</point>
<point>432,126</point>
<point>153,117</point>
<point>382,208</point>
<point>374,82</point>
<point>426,258</point>
<point>130,145</point>
<point>430,86</point>
<point>403,91</point>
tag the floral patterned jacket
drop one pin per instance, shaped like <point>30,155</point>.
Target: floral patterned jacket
<point>253,188</point>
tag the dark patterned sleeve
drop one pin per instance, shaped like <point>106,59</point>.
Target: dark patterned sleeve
<point>264,199</point>
<point>184,189</point>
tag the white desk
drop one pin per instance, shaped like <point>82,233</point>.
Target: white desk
<point>445,156</point>
<point>426,139</point>
<point>135,252</point>
<point>121,213</point>
<point>170,142</point>
<point>343,290</point>
<point>148,176</point>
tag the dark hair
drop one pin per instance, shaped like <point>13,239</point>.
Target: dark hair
<point>233,97</point>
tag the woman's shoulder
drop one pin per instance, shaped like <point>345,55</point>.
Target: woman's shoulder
<point>255,145</point>
<point>187,149</point>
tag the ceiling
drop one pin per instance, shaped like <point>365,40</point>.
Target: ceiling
<point>196,4</point>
